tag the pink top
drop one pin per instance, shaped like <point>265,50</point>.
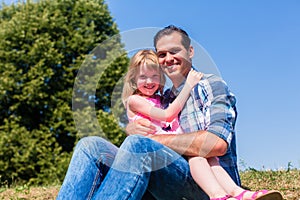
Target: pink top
<point>162,126</point>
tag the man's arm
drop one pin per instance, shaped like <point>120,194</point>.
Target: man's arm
<point>200,143</point>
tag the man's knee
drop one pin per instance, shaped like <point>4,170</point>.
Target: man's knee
<point>93,143</point>
<point>135,142</point>
<point>88,141</point>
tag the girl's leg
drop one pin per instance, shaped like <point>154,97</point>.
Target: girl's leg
<point>228,184</point>
<point>205,177</point>
<point>223,178</point>
<point>90,162</point>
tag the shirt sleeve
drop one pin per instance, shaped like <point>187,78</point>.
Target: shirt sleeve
<point>218,107</point>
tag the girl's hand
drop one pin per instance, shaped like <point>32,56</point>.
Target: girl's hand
<point>193,78</point>
<point>141,127</point>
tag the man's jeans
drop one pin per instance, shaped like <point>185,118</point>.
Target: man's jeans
<point>99,170</point>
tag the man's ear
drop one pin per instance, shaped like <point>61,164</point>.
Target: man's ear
<point>191,52</point>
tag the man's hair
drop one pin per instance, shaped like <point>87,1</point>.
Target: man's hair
<point>168,30</point>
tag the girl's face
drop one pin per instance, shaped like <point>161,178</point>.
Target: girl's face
<point>147,80</point>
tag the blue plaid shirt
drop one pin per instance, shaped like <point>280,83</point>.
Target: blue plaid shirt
<point>210,107</point>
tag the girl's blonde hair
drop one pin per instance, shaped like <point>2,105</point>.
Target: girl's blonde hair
<point>149,58</point>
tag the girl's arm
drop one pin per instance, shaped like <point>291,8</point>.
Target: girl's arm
<point>138,104</point>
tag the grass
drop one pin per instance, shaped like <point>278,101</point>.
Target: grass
<point>28,193</point>
<point>285,181</point>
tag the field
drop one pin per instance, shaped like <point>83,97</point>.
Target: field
<point>285,181</point>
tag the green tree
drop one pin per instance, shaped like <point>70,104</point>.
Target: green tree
<point>42,47</point>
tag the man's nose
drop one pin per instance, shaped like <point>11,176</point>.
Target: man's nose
<point>169,57</point>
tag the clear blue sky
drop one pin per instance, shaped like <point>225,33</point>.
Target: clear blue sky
<point>256,47</point>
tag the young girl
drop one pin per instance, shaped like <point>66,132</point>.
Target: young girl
<point>143,81</point>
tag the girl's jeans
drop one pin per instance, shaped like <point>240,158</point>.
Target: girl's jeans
<point>100,170</point>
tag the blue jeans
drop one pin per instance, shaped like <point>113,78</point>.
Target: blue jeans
<point>100,170</point>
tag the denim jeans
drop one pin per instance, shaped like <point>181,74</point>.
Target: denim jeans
<point>100,170</point>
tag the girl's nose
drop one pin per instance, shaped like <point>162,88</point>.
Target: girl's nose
<point>149,80</point>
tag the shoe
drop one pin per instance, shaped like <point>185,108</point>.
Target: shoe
<point>266,195</point>
<point>221,198</point>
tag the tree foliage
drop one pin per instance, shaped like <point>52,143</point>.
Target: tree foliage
<point>42,47</point>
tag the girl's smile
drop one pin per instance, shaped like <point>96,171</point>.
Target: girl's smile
<point>147,80</point>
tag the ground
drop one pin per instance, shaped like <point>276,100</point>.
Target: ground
<point>285,181</point>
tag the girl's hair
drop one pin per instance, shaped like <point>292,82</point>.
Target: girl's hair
<point>147,57</point>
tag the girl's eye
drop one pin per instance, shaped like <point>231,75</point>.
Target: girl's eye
<point>143,77</point>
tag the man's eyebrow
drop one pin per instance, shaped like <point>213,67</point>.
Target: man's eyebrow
<point>175,49</point>
<point>169,50</point>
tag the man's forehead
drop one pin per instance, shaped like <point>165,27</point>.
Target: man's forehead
<point>169,40</point>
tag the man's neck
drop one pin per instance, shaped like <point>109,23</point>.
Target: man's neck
<point>178,82</point>
<point>180,78</point>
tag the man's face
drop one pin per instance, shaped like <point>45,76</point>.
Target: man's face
<point>175,60</point>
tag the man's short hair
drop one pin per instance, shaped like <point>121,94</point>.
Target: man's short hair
<point>168,30</point>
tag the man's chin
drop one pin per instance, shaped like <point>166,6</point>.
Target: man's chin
<point>175,74</point>
<point>171,71</point>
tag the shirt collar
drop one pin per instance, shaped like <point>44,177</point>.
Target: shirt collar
<point>176,91</point>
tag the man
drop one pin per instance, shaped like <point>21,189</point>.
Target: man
<point>147,163</point>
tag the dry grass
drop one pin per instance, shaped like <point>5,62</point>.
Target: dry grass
<point>286,181</point>
<point>28,193</point>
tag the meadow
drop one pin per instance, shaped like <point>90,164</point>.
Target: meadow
<point>286,181</point>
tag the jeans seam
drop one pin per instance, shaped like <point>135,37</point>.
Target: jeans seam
<point>94,185</point>
<point>138,178</point>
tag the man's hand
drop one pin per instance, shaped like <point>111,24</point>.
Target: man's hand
<point>140,126</point>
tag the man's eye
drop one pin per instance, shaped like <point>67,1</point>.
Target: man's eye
<point>174,52</point>
<point>161,55</point>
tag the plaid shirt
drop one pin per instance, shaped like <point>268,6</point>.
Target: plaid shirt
<point>210,107</point>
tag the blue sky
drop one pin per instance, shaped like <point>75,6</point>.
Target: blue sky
<point>256,47</point>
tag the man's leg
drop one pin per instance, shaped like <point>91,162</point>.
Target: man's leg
<point>90,162</point>
<point>142,164</point>
<point>175,182</point>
